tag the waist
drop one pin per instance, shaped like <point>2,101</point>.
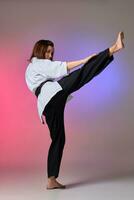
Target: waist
<point>38,89</point>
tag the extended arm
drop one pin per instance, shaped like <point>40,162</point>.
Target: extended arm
<point>72,64</point>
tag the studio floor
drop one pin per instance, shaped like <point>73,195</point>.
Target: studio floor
<point>24,184</point>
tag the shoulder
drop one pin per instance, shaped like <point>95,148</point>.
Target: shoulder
<point>35,60</point>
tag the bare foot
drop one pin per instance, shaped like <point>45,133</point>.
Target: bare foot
<point>54,184</point>
<point>119,43</point>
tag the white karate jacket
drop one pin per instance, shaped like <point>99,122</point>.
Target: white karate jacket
<point>40,70</point>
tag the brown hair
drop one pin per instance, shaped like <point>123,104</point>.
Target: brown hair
<point>40,49</point>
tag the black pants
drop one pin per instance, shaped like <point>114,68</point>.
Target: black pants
<point>54,110</point>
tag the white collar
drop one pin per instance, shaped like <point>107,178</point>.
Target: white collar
<point>34,59</point>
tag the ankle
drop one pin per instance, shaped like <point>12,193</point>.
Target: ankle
<point>51,178</point>
<point>112,49</point>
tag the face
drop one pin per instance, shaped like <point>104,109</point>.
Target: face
<point>49,52</point>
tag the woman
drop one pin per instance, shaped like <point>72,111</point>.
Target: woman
<point>52,94</point>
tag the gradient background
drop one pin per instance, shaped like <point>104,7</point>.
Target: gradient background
<point>99,120</point>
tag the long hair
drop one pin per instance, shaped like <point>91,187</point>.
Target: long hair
<point>40,48</point>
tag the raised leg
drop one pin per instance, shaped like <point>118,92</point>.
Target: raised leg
<point>88,71</point>
<point>92,68</point>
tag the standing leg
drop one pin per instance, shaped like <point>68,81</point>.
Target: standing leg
<point>54,113</point>
<point>88,71</point>
<point>57,133</point>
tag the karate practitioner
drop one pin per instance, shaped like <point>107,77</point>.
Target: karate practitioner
<point>53,83</point>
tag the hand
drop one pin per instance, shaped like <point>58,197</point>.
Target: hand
<point>88,58</point>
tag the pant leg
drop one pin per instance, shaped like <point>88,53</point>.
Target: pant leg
<point>54,113</point>
<point>87,72</point>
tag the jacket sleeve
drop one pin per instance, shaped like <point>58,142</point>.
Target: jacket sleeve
<point>53,69</point>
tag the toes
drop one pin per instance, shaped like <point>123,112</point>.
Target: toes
<point>122,35</point>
